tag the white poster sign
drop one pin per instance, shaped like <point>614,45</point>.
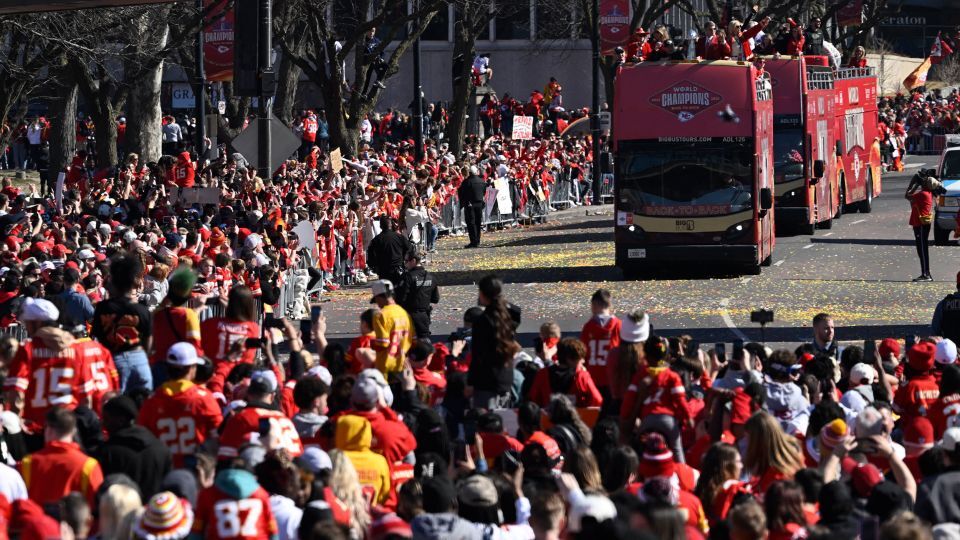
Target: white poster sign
<point>181,96</point>
<point>522,128</point>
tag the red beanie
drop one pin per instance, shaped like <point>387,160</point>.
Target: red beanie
<point>833,434</point>
<point>657,459</point>
<point>921,356</point>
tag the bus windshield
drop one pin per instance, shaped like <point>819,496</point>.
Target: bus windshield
<point>687,178</point>
<point>788,154</point>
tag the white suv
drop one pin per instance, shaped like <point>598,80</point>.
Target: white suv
<point>947,205</point>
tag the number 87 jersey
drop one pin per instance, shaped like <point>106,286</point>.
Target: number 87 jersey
<point>235,507</point>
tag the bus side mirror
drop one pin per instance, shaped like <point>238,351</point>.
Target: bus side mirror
<point>818,167</point>
<point>839,148</point>
<point>766,198</point>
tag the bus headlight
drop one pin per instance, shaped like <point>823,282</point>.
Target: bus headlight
<point>738,230</point>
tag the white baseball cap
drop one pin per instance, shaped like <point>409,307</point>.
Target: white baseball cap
<point>381,286</point>
<point>86,254</point>
<point>950,440</point>
<point>183,354</point>
<point>860,372</point>
<point>946,352</point>
<point>38,309</point>
<point>597,507</point>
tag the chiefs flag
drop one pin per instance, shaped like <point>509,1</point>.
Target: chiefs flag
<point>851,14</point>
<point>918,77</point>
<point>939,50</point>
<point>614,24</point>
<point>218,41</point>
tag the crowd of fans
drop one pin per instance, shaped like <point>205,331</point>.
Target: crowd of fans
<point>909,123</point>
<point>616,433</point>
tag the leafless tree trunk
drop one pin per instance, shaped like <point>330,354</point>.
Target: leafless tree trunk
<point>63,126</point>
<point>473,18</point>
<point>144,115</point>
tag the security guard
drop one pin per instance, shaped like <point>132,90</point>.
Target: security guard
<point>387,252</point>
<point>416,292</point>
<point>946,318</point>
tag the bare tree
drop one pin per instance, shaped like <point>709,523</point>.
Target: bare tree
<point>948,70</point>
<point>472,19</point>
<point>338,30</point>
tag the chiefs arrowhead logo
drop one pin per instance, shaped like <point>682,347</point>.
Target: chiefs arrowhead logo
<point>685,99</point>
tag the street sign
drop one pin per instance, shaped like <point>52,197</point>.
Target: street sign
<point>283,143</point>
<point>604,123</point>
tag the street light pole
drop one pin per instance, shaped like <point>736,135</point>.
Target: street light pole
<point>200,102</point>
<point>417,92</point>
<point>595,106</point>
<point>264,64</point>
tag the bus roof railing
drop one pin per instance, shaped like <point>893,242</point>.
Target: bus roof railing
<point>856,72</point>
<point>819,79</point>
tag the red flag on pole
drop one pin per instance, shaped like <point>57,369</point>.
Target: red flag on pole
<point>939,50</point>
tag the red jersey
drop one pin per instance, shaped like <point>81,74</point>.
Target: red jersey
<point>103,372</point>
<point>665,394</point>
<point>181,414</point>
<point>580,388</point>
<point>917,396</point>
<point>310,129</point>
<point>217,336</point>
<point>49,375</point>
<point>58,469</point>
<point>599,339</point>
<point>360,342</point>
<point>182,174</point>
<point>945,413</point>
<point>221,516</point>
<point>240,426</point>
<point>495,444</point>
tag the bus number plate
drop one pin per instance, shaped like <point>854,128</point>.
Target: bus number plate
<point>636,254</point>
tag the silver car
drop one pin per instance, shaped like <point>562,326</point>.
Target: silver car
<point>947,205</point>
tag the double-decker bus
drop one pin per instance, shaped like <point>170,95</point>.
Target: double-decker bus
<point>694,165</point>
<point>804,133</point>
<point>858,146</point>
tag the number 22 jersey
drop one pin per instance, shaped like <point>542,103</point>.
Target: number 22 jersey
<point>180,414</point>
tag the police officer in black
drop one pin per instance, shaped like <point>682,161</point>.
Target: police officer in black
<point>417,292</point>
<point>471,194</point>
<point>388,251</point>
<point>946,318</point>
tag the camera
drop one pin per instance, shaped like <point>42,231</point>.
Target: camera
<point>761,316</point>
<point>461,334</point>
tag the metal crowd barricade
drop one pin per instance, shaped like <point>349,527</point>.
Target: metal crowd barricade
<point>928,141</point>
<point>561,192</point>
<point>15,331</point>
<point>606,188</point>
<point>211,310</point>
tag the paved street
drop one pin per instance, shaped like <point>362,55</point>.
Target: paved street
<point>859,271</point>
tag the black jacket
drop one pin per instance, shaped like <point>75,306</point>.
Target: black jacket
<point>417,291</point>
<point>387,251</point>
<point>472,190</point>
<point>137,453</point>
<point>487,373</point>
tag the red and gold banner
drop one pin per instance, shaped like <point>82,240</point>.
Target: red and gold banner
<point>614,24</point>
<point>851,14</point>
<point>218,41</point>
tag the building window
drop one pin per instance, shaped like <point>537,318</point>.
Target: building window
<point>513,20</point>
<point>555,20</point>
<point>439,27</point>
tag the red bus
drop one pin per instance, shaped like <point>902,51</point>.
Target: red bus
<point>693,142</point>
<point>803,139</point>
<point>858,148</point>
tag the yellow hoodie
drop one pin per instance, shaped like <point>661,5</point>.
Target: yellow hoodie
<point>353,436</point>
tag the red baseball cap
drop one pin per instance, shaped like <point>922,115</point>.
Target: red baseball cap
<point>864,477</point>
<point>889,346</point>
